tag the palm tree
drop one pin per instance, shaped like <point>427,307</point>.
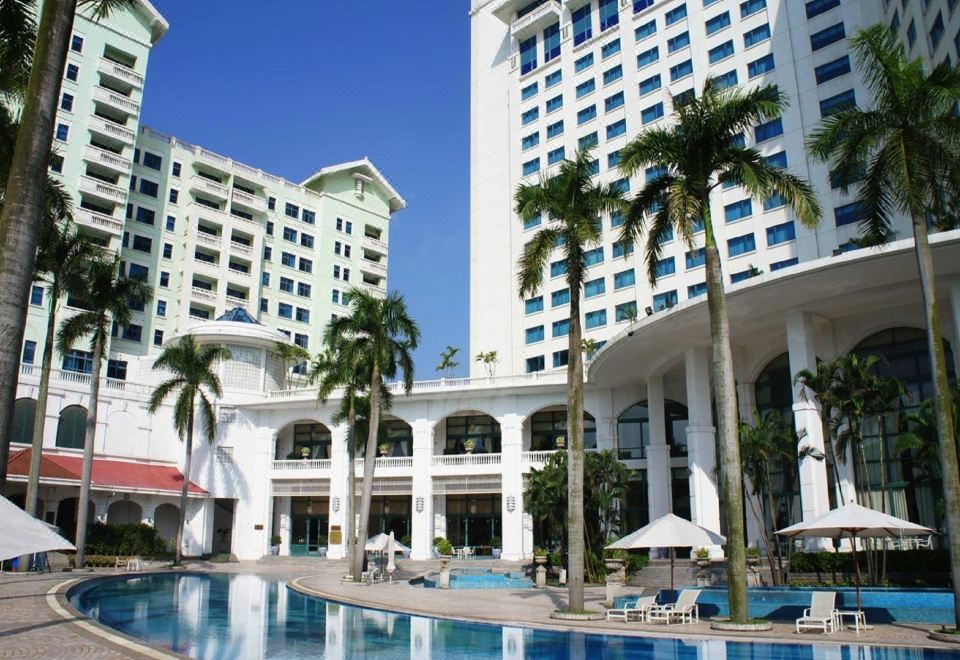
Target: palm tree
<point>62,260</point>
<point>107,295</point>
<point>489,361</point>
<point>698,153</point>
<point>43,48</point>
<point>918,447</point>
<point>819,383</point>
<point>193,381</point>
<point>290,355</point>
<point>572,205</point>
<point>902,155</point>
<point>380,333</point>
<point>447,363</point>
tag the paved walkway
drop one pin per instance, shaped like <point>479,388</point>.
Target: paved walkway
<point>32,626</point>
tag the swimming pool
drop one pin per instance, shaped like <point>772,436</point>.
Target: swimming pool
<point>479,578</point>
<point>249,616</point>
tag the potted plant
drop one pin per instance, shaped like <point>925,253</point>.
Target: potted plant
<point>496,547</point>
<point>443,547</point>
<point>384,448</point>
<point>614,560</point>
<point>322,546</point>
<point>561,442</point>
<point>304,453</point>
<point>405,540</point>
<point>469,445</point>
<point>275,542</point>
<point>540,555</point>
<point>753,556</point>
<point>702,556</point>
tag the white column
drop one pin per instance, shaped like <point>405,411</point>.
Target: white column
<point>512,528</point>
<point>284,505</point>
<point>746,402</point>
<point>421,538</point>
<point>701,441</point>
<point>659,491</point>
<point>814,486</point>
<point>338,491</point>
<point>955,317</point>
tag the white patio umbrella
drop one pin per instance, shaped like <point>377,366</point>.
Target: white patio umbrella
<point>853,521</point>
<point>391,563</point>
<point>21,534</point>
<point>379,543</point>
<point>668,531</point>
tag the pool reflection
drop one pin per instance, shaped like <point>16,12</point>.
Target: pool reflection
<point>248,616</point>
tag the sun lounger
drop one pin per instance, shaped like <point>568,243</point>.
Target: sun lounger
<point>821,614</point>
<point>636,611</point>
<point>685,609</point>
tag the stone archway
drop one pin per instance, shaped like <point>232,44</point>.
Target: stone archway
<point>166,518</point>
<point>124,512</point>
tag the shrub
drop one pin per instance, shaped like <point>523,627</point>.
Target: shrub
<point>125,540</point>
<point>276,540</point>
<point>615,554</point>
<point>541,552</point>
<point>556,559</point>
<point>753,552</point>
<point>495,542</point>
<point>443,546</point>
<point>636,562</point>
<point>405,540</point>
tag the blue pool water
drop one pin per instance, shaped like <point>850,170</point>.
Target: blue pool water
<point>248,616</point>
<point>477,578</point>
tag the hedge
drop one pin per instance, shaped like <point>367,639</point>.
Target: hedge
<point>125,540</point>
<point>898,561</point>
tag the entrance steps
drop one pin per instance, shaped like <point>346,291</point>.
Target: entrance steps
<point>656,575</point>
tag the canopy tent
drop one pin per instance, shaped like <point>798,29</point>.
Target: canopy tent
<point>852,521</point>
<point>668,531</point>
<point>380,543</point>
<point>25,535</point>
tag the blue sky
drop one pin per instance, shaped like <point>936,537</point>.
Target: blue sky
<point>293,85</point>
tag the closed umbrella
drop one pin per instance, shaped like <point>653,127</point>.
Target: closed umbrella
<point>668,531</point>
<point>22,534</point>
<point>391,564</point>
<point>853,521</point>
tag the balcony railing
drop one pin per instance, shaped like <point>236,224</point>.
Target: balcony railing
<point>466,459</point>
<point>209,239</point>
<point>241,247</point>
<point>117,101</point>
<point>375,289</point>
<point>211,187</point>
<point>120,72</point>
<point>233,301</point>
<point>374,267</point>
<point>386,462</point>
<point>98,221</point>
<point>241,273</point>
<point>103,190</point>
<point>374,244</point>
<point>303,465</point>
<point>535,20</point>
<point>536,457</point>
<point>245,199</point>
<point>78,378</point>
<point>107,159</point>
<point>112,129</point>
<point>203,294</point>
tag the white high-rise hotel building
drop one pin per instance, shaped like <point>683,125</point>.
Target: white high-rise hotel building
<point>547,78</point>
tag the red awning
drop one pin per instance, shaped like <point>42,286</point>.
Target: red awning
<point>119,475</point>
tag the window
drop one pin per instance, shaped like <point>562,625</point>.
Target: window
<point>164,279</point>
<point>158,337</point>
<point>78,361</point>
<point>529,92</point>
<point>665,267</point>
<point>613,102</point>
<point>310,218</point>
<point>760,66</point>
<point>265,279</point>
<point>774,201</point>
<point>786,263</point>
<point>132,332</point>
<point>609,49</point>
<point>528,55</point>
<point>620,249</point>
<point>561,358</point>
<point>306,265</point>
<point>533,305</point>
<point>738,210</point>
<point>837,102</point>
<point>936,31</point>
<point>674,44</point>
<point>718,22</point>
<point>588,141</point>
<point>664,300</point>
<point>285,310</point>
<point>291,210</point>
<point>73,72</point>
<point>741,245</point>
<point>817,7</point>
<point>756,35</point>
<point>530,115</point>
<point>176,171</point>
<point>76,43</point>
<point>750,7</point>
<point>594,287</point>
<point>530,141</point>
<point>911,34</point>
<point>152,160</point>
<point>609,14</point>
<point>778,159</point>
<point>583,63</point>
<point>66,102</point>
<point>558,268</point>
<point>781,233</point>
<point>306,240</point>
<point>63,132</point>
<point>728,79</point>
<point>531,167</point>
<point>551,42</point>
<point>586,87</point>
<point>530,223</point>
<point>594,256</point>
<point>161,308</point>
<point>612,75</point>
<point>613,160</point>
<point>827,36</point>
<point>269,228</point>
<point>138,272</point>
<point>582,24</point>
<point>648,57</point>
<point>721,52</point>
<point>560,328</point>
<point>56,163</point>
<point>652,113</point>
<point>616,129</point>
<point>554,104</point>
<point>555,156</point>
<point>171,223</point>
<point>625,311</point>
<point>674,15</point>
<point>768,130</point>
<point>587,114</point>
<point>561,297</point>
<point>640,5</point>
<point>346,251</point>
<point>743,275</point>
<point>832,70</point>
<point>286,284</point>
<point>535,364</point>
<point>303,315</point>
<point>149,188</point>
<point>696,258</point>
<point>847,214</point>
<point>650,85</point>
<point>624,278</point>
<point>36,295</point>
<point>287,259</point>
<point>681,70</point>
<point>595,319</point>
<point>29,352</point>
<point>533,335</point>
<point>552,79</point>
<point>696,290</point>
<point>644,31</point>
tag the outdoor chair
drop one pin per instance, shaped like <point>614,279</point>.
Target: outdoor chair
<point>821,614</point>
<point>685,609</point>
<point>636,611</point>
<point>121,563</point>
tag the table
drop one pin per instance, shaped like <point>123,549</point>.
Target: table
<point>859,618</point>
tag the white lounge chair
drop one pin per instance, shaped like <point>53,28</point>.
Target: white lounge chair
<point>821,614</point>
<point>685,609</point>
<point>636,611</point>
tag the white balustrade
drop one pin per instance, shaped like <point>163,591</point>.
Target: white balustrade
<point>302,465</point>
<point>467,459</point>
<point>118,101</point>
<point>117,70</point>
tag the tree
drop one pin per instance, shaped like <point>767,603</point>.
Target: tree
<point>106,295</point>
<point>819,383</point>
<point>26,175</point>
<point>919,450</point>
<point>489,361</point>
<point>700,152</point>
<point>378,332</point>
<point>62,260</point>
<point>572,205</point>
<point>902,155</point>
<point>447,363</point>
<point>289,355</point>
<point>193,382</point>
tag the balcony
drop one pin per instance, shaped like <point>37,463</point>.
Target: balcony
<point>112,130</point>
<point>301,468</point>
<point>103,190</point>
<point>529,459</point>
<point>536,20</point>
<point>241,248</point>
<point>233,301</point>
<point>466,464</point>
<point>115,101</point>
<point>98,221</point>
<point>211,269</point>
<point>373,244</point>
<point>375,289</point>
<point>213,215</point>
<point>237,272</point>
<point>212,240</point>
<point>387,465</point>
<point>120,72</point>
<point>212,188</point>
<point>107,159</point>
<point>203,294</point>
<point>249,202</point>
<point>378,268</point>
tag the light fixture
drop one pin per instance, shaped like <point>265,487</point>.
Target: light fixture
<point>386,507</point>
<point>511,503</point>
<point>648,310</point>
<point>309,507</point>
<point>335,503</point>
<point>419,505</point>
<point>473,506</point>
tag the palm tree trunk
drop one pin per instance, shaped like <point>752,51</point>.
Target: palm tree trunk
<point>349,504</point>
<point>369,464</point>
<point>724,388</point>
<point>772,503</point>
<point>941,389</point>
<point>40,414</point>
<point>20,218</point>
<point>575,527</point>
<point>89,437</point>
<point>185,488</point>
<point>765,537</point>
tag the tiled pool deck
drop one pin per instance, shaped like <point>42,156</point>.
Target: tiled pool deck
<point>31,626</point>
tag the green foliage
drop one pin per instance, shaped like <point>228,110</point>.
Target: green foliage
<point>443,546</point>
<point>405,540</point>
<point>541,552</point>
<point>702,553</point>
<point>753,552</point>
<point>637,561</point>
<point>125,540</point>
<point>496,542</point>
<point>556,559</point>
<point>898,561</point>
<point>276,539</point>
